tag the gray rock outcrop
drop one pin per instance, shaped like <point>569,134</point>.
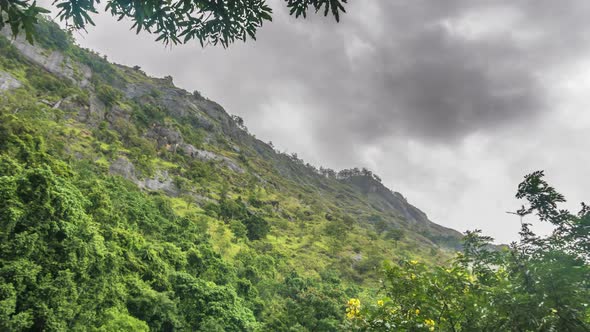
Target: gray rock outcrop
<point>162,181</point>
<point>123,167</point>
<point>7,82</point>
<point>54,62</point>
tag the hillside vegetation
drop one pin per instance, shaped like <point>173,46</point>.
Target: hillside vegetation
<point>128,204</point>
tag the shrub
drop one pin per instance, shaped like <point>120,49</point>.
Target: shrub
<point>108,95</point>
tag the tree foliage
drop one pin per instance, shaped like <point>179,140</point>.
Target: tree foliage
<point>537,284</point>
<point>20,15</point>
<point>85,252</point>
<point>178,21</point>
<point>85,249</point>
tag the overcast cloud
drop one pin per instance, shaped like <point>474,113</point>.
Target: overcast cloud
<point>451,102</point>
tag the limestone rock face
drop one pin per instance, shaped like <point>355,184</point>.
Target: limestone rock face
<point>54,62</point>
<point>192,151</point>
<point>162,181</point>
<point>165,136</point>
<point>7,82</point>
<point>176,101</point>
<point>116,113</point>
<point>172,140</point>
<point>387,199</point>
<point>123,167</point>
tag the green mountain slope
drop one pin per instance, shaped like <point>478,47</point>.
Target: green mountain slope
<point>127,203</point>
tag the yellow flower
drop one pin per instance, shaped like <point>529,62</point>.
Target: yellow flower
<point>412,276</point>
<point>413,262</point>
<point>430,323</point>
<point>417,311</point>
<point>380,303</point>
<point>353,309</point>
<point>354,302</point>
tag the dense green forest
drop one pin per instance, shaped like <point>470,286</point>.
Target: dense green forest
<point>127,204</point>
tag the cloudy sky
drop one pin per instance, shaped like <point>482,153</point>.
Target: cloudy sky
<point>451,102</point>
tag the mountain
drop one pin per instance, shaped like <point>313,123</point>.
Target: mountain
<point>128,203</point>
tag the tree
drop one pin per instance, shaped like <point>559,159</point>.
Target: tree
<point>20,15</point>
<point>108,95</point>
<point>175,21</point>
<point>239,122</point>
<point>538,284</point>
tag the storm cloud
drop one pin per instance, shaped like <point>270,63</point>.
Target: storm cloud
<point>452,102</point>
<point>429,73</point>
<point>421,70</point>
